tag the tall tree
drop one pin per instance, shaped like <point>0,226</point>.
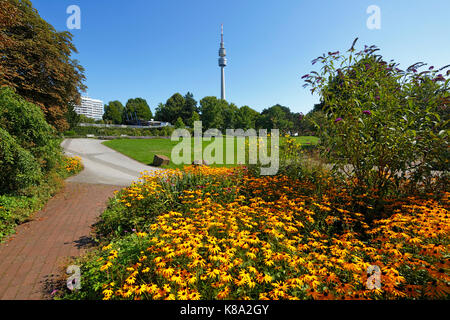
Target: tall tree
<point>230,112</point>
<point>195,117</point>
<point>189,107</point>
<point>179,124</point>
<point>114,112</point>
<point>276,117</point>
<point>212,114</point>
<point>246,118</point>
<point>138,108</point>
<point>171,110</point>
<point>36,60</point>
<point>72,118</point>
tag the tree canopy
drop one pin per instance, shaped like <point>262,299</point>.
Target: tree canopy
<point>36,60</point>
<point>114,112</point>
<point>138,108</point>
<point>172,109</point>
<point>276,117</point>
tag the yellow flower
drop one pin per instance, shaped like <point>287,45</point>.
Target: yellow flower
<point>141,234</point>
<point>106,266</point>
<point>267,278</point>
<point>131,280</point>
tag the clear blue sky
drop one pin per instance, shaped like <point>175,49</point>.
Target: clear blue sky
<point>154,48</point>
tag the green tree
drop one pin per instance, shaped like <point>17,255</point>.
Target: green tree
<point>246,118</point>
<point>160,114</point>
<point>189,107</point>
<point>84,119</point>
<point>212,114</point>
<point>137,108</point>
<point>36,60</point>
<point>73,118</point>
<point>179,124</point>
<point>171,110</point>
<point>114,112</point>
<point>195,117</point>
<point>230,113</point>
<point>276,117</point>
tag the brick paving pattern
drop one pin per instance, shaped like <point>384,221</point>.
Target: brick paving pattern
<point>34,257</point>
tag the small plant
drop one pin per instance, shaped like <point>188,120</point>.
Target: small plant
<point>72,165</point>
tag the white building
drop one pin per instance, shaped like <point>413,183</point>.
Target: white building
<point>91,108</point>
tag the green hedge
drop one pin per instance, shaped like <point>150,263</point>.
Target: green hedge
<point>137,132</point>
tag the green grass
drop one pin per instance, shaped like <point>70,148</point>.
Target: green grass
<point>144,150</point>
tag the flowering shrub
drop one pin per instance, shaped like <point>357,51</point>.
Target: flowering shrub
<point>384,124</point>
<point>268,237</point>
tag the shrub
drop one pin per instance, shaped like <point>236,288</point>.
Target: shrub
<point>19,169</point>
<point>383,124</point>
<point>25,123</point>
<point>31,162</point>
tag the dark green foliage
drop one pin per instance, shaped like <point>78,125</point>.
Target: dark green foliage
<point>189,107</point>
<point>246,118</point>
<point>72,118</point>
<point>212,114</point>
<point>19,168</point>
<point>30,160</point>
<point>276,117</point>
<point>137,109</point>
<point>230,113</point>
<point>30,140</point>
<point>117,132</point>
<point>114,112</point>
<point>179,123</point>
<point>195,117</point>
<point>171,110</point>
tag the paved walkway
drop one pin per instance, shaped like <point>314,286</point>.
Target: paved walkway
<point>102,164</point>
<point>32,261</point>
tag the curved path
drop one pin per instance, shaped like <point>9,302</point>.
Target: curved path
<point>102,164</point>
<point>32,261</point>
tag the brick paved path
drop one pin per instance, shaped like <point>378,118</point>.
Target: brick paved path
<point>33,258</point>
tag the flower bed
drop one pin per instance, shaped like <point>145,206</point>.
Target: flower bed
<point>229,235</point>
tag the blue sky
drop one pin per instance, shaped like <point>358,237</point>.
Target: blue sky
<point>154,48</point>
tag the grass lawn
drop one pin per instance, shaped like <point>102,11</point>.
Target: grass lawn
<point>143,150</point>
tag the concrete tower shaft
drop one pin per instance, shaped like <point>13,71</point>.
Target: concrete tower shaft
<point>222,63</point>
